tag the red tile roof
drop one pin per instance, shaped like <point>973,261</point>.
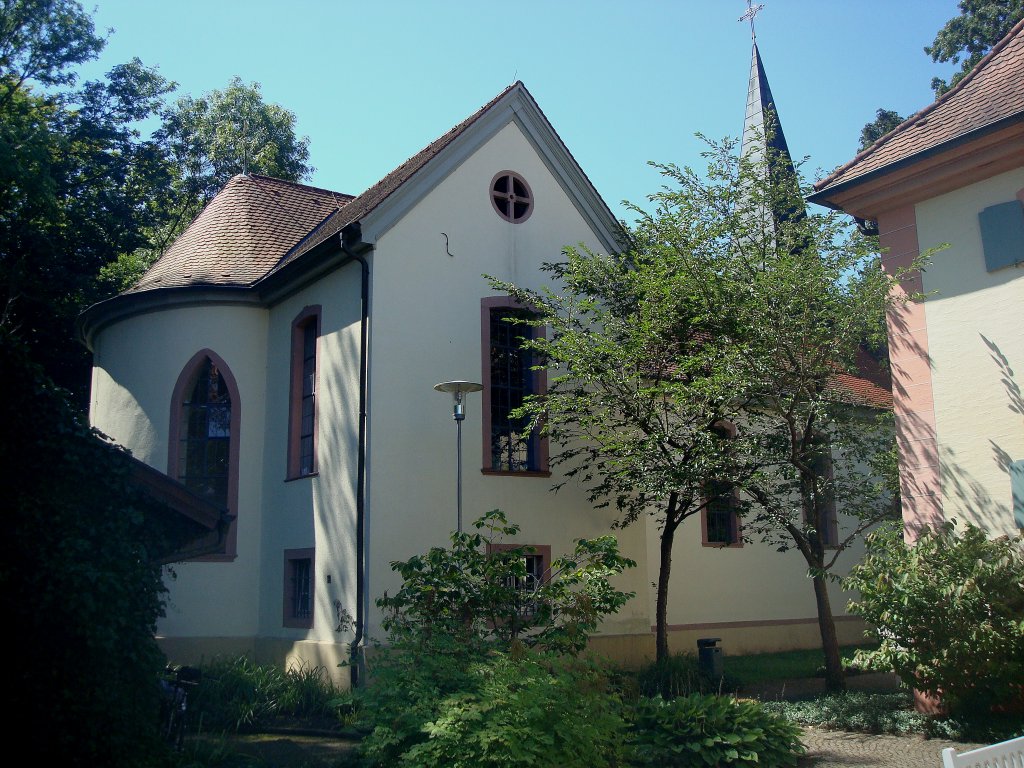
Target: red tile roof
<point>870,386</point>
<point>991,93</point>
<point>242,233</point>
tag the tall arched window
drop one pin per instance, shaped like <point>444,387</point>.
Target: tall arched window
<point>720,523</point>
<point>302,408</point>
<point>203,450</point>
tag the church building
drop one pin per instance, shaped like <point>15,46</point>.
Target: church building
<point>281,359</point>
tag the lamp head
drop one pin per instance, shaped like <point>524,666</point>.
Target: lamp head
<point>458,389</point>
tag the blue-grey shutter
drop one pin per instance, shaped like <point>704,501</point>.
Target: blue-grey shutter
<point>1002,234</point>
<point>1017,484</point>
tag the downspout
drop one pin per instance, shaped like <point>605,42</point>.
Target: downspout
<point>353,247</point>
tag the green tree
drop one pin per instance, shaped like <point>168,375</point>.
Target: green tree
<point>41,39</point>
<point>80,580</point>
<point>794,302</point>
<point>723,310</point>
<point>885,121</point>
<point>969,36</point>
<point>634,394</point>
<point>208,140</point>
<point>78,180</point>
<point>77,191</point>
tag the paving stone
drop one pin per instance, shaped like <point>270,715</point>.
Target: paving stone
<point>842,749</point>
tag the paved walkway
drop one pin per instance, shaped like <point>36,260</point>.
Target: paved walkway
<point>840,749</point>
<point>843,749</point>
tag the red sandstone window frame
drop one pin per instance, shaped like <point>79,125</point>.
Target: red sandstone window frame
<point>309,317</point>
<point>182,387</point>
<point>734,522</point>
<point>292,557</point>
<point>543,551</point>
<point>511,196</point>
<point>826,511</point>
<point>539,386</point>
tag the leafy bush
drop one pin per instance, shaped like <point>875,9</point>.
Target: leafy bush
<point>855,711</point>
<point>473,592</point>
<point>946,612</point>
<point>520,710</point>
<point>458,624</point>
<point>237,694</point>
<point>699,730</point>
<point>893,713</point>
<point>679,675</point>
<point>81,581</point>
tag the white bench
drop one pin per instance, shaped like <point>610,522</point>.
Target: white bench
<point>1005,754</point>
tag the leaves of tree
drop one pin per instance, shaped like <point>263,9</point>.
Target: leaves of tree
<point>969,36</point>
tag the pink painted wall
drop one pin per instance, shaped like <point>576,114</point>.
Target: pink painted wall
<point>911,377</point>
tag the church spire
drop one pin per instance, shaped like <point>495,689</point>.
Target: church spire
<point>763,138</point>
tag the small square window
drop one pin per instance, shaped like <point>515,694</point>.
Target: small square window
<point>298,588</point>
<point>538,561</point>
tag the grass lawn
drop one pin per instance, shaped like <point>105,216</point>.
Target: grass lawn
<point>784,665</point>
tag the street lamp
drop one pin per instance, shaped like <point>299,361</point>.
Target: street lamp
<point>458,389</point>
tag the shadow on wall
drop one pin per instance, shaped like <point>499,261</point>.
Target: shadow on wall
<point>974,497</point>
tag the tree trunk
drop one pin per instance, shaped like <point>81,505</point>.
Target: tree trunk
<point>668,535</point>
<point>834,678</point>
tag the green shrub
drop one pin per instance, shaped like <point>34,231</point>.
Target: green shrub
<point>946,612</point>
<point>699,730</point>
<point>457,625</point>
<point>679,675</point>
<point>80,580</point>
<point>237,694</point>
<point>473,592</point>
<point>534,710</point>
<point>894,713</point>
<point>855,711</point>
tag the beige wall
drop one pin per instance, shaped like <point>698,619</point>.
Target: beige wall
<point>317,511</point>
<point>976,348</point>
<point>136,363</point>
<point>426,329</point>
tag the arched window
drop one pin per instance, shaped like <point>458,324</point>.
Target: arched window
<point>302,408</point>
<point>825,521</point>
<point>203,450</point>
<point>720,523</point>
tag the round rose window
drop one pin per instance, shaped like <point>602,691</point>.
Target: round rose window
<point>511,197</point>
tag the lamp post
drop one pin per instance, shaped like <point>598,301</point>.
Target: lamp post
<point>458,389</point>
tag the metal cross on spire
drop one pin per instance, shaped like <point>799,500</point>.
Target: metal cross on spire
<point>751,12</point>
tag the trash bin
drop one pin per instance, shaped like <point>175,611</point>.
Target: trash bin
<point>709,657</point>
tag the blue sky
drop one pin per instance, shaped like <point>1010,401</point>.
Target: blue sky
<point>623,83</point>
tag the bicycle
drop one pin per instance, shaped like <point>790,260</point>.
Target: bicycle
<point>175,684</point>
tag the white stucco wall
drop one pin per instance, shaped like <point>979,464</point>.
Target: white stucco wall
<point>136,363</point>
<point>317,511</point>
<point>976,346</point>
<point>427,329</point>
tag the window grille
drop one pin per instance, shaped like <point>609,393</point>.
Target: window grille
<point>204,455</point>
<point>511,382</point>
<point>308,418</point>
<point>720,512</point>
<point>302,604</point>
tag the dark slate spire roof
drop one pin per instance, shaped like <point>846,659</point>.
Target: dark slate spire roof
<point>762,129</point>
